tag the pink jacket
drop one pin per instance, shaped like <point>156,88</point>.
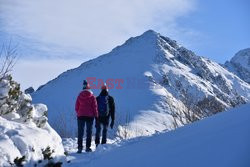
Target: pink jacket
<point>86,104</point>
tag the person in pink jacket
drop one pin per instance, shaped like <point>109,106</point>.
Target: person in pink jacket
<point>86,110</point>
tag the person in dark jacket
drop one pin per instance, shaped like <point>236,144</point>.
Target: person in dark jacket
<point>106,109</point>
<point>86,110</point>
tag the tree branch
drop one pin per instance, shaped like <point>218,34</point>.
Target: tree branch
<point>8,57</point>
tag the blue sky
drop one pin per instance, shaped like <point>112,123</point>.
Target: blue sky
<point>74,31</point>
<point>224,25</point>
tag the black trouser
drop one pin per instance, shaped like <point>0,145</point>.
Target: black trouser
<point>103,125</point>
<point>81,121</point>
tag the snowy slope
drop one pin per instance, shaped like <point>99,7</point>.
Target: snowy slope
<point>240,64</point>
<point>220,141</point>
<point>165,86</point>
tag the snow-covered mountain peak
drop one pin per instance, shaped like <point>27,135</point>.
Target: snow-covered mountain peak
<point>242,58</point>
<point>147,41</point>
<point>240,64</point>
<point>164,85</point>
<point>149,34</point>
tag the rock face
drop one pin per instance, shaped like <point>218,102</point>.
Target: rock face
<point>240,64</point>
<point>24,130</point>
<point>30,90</point>
<point>162,86</point>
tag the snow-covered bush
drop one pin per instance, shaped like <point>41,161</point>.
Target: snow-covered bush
<point>15,105</point>
<point>24,130</point>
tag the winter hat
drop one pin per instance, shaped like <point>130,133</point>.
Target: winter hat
<point>85,85</point>
<point>104,87</point>
<point>104,91</point>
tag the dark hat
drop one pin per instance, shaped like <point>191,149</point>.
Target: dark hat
<point>85,85</point>
<point>104,87</point>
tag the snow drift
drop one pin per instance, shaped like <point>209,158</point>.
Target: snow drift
<point>18,139</point>
<point>162,86</point>
<point>221,140</point>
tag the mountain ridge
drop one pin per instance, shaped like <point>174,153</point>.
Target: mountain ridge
<point>165,86</point>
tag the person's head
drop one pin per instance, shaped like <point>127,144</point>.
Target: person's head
<point>104,90</point>
<point>85,85</point>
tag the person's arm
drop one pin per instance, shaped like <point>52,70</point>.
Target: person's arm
<point>94,105</point>
<point>97,123</point>
<point>112,111</point>
<point>77,104</point>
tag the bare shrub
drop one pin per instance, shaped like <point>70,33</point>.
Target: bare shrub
<point>8,57</point>
<point>123,126</point>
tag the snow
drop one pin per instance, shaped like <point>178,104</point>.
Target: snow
<point>240,64</point>
<point>4,88</point>
<point>243,58</point>
<point>17,139</point>
<point>162,83</point>
<point>41,109</point>
<point>161,80</point>
<point>24,130</point>
<point>221,140</point>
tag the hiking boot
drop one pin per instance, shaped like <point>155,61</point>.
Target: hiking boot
<point>88,150</point>
<point>79,151</point>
